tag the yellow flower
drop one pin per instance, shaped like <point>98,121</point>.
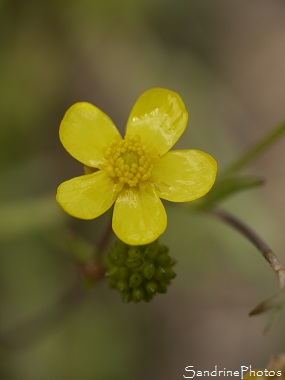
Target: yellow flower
<point>135,172</point>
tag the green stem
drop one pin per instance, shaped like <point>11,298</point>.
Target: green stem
<point>256,150</point>
<point>255,239</point>
<point>105,238</point>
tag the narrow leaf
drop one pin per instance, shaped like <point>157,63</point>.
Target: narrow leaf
<point>275,301</point>
<point>226,187</point>
<point>256,150</point>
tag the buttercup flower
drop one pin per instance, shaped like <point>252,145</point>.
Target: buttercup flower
<point>135,172</point>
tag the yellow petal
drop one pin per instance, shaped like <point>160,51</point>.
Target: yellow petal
<point>184,175</point>
<point>159,117</point>
<point>88,196</point>
<point>85,131</point>
<point>139,216</point>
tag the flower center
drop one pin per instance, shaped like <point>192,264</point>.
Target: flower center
<point>129,162</point>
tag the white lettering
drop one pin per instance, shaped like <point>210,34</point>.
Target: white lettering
<point>243,369</point>
<point>191,372</point>
<point>214,372</point>
<point>189,369</point>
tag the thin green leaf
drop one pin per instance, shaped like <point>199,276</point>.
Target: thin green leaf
<point>273,302</point>
<point>256,150</point>
<point>275,313</point>
<point>226,187</point>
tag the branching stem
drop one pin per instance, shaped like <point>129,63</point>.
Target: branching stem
<point>256,240</point>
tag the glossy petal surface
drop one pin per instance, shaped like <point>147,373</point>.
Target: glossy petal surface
<point>159,117</point>
<point>184,175</point>
<point>85,131</point>
<point>139,216</point>
<point>88,196</point>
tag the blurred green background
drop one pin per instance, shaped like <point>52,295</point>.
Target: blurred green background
<point>227,61</point>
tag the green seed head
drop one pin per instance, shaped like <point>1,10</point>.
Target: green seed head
<point>139,272</point>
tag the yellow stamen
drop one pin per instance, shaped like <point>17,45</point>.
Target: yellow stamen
<point>129,162</point>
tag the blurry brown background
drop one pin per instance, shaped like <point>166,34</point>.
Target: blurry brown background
<point>227,61</point>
